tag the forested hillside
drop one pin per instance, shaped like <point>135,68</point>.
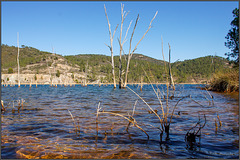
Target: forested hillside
<point>28,55</point>
<point>98,66</point>
<point>199,68</point>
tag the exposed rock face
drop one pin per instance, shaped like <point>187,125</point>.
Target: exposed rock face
<point>43,73</point>
<point>66,78</point>
<point>37,78</point>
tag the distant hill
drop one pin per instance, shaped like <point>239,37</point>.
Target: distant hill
<point>35,61</point>
<point>199,68</point>
<point>28,55</point>
<point>146,58</point>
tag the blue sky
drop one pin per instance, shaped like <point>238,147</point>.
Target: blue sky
<point>193,29</point>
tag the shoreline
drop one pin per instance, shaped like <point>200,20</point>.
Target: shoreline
<point>34,84</point>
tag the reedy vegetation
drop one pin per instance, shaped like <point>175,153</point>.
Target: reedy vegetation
<point>225,81</point>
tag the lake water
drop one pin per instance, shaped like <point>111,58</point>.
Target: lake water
<point>44,127</point>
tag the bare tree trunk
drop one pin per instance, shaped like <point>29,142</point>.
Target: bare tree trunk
<point>141,84</point>
<point>113,72</point>
<point>18,61</point>
<point>30,84</point>
<point>170,72</point>
<point>121,45</point>
<point>53,65</point>
<point>130,53</point>
<point>49,73</point>
<point>120,53</point>
<point>85,82</point>
<point>111,47</point>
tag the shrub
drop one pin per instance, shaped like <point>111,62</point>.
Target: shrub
<point>58,73</point>
<point>10,70</point>
<point>72,76</point>
<point>225,82</point>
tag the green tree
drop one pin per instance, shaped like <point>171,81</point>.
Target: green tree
<point>58,73</point>
<point>10,70</point>
<point>72,75</point>
<point>233,38</point>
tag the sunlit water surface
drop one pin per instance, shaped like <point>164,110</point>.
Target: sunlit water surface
<point>44,127</point>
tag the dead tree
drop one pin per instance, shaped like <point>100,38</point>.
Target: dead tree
<point>54,64</point>
<point>18,60</point>
<point>141,83</point>
<point>111,46</point>
<point>130,53</point>
<point>170,71</point>
<point>85,80</point>
<point>123,16</point>
<point>190,137</point>
<point>49,73</point>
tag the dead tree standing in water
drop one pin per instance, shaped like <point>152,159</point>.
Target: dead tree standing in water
<point>171,82</point>
<point>123,16</point>
<point>130,53</point>
<point>111,46</point>
<point>18,60</point>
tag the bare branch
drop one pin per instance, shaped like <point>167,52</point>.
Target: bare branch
<point>124,56</point>
<point>170,70</point>
<point>195,101</point>
<point>73,120</point>
<point>175,108</point>
<point>123,12</point>
<point>163,56</point>
<point>147,105</point>
<point>145,33</point>
<point>202,125</point>
<point>130,45</point>
<point>166,74</point>
<point>114,31</point>
<point>126,33</point>
<point>108,46</point>
<point>109,25</point>
<point>125,15</point>
<point>134,107</point>
<point>131,121</point>
<point>155,92</point>
<point>98,109</point>
<point>109,62</point>
<point>122,49</point>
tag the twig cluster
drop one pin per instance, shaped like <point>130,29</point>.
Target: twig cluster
<point>190,137</point>
<point>20,103</point>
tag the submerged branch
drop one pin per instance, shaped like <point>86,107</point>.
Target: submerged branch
<point>147,105</point>
<point>131,121</point>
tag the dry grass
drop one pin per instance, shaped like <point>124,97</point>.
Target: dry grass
<point>225,82</point>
